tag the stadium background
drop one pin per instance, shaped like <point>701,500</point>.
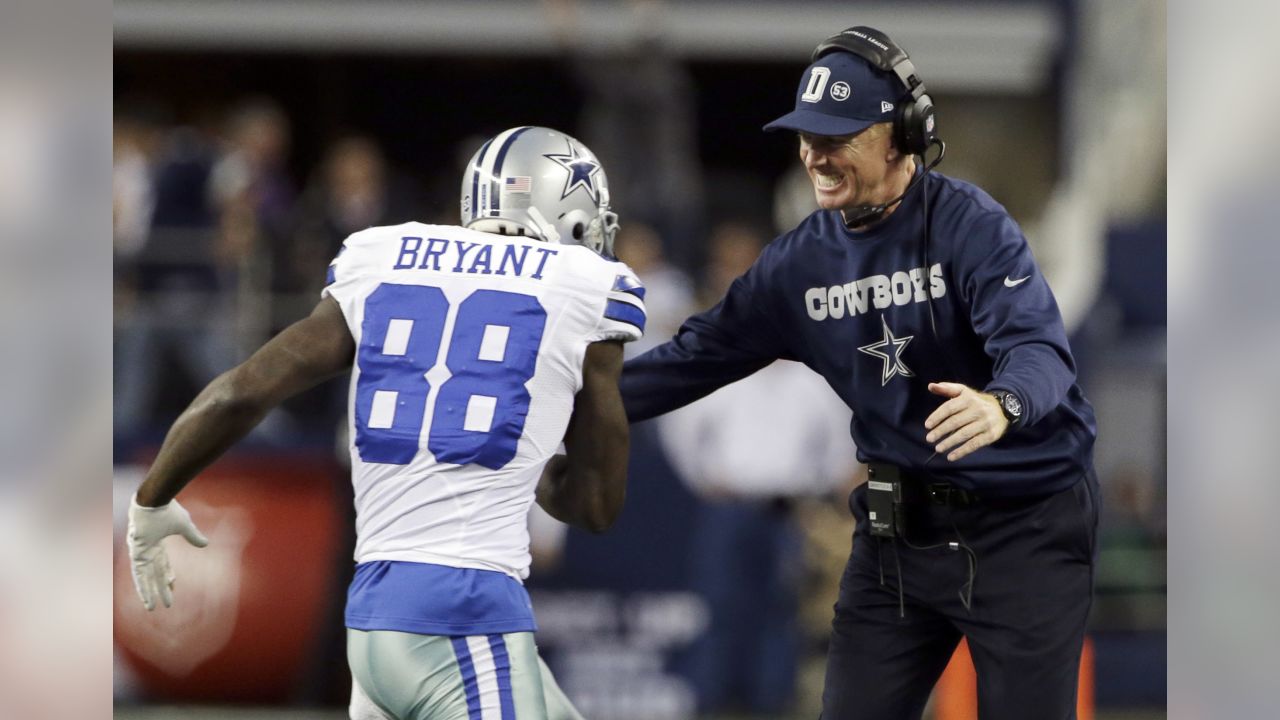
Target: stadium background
<point>248,135</point>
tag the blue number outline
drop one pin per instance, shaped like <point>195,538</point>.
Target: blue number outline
<point>504,379</point>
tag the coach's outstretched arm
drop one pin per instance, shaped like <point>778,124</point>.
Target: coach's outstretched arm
<point>304,354</point>
<point>586,487</point>
<point>730,341</point>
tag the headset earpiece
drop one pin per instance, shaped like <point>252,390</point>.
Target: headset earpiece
<point>914,127</point>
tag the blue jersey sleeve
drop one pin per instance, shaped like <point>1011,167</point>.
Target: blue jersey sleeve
<point>730,341</point>
<point>1014,312</point>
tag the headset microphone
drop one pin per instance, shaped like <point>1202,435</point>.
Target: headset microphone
<point>862,216</point>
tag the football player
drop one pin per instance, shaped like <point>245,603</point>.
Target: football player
<point>474,351</point>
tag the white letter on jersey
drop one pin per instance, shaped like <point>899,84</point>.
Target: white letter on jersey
<point>835,300</point>
<point>901,288</point>
<point>817,83</point>
<point>937,286</point>
<point>880,295</point>
<point>815,301</point>
<point>917,282</point>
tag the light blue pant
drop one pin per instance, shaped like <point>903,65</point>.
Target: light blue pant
<point>406,676</point>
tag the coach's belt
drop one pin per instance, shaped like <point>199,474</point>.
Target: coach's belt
<point>916,492</point>
<point>921,490</point>
<point>950,495</point>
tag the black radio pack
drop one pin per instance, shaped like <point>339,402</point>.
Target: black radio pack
<point>884,501</point>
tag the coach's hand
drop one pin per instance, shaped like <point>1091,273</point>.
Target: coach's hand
<point>148,527</point>
<point>969,420</point>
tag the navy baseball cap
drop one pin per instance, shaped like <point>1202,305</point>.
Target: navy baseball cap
<point>841,94</point>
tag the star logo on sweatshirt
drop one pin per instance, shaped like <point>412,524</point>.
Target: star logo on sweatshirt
<point>889,349</point>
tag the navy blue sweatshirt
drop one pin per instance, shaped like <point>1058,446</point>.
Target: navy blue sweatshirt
<point>855,307</point>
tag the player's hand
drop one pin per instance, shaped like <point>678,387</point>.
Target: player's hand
<point>967,421</point>
<point>148,527</point>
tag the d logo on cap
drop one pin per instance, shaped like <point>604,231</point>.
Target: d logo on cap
<point>840,94</point>
<point>817,83</point>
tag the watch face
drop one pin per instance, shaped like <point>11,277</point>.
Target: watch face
<point>1013,404</point>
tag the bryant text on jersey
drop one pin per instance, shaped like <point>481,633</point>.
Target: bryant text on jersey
<point>472,257</point>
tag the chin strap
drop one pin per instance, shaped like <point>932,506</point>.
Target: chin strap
<point>541,227</point>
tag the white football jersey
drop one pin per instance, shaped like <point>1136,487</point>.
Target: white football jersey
<point>469,351</point>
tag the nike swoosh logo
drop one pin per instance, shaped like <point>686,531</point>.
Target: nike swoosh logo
<point>1015,283</point>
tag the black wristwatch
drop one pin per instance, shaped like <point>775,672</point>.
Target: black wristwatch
<point>1011,406</point>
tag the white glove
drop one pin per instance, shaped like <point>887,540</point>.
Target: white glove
<point>148,527</point>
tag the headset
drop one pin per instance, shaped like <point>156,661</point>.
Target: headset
<point>914,130</point>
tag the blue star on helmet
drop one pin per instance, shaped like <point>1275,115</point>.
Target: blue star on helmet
<point>582,173</point>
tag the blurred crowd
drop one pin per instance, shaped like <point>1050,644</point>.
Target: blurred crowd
<point>221,238</point>
<point>217,245</point>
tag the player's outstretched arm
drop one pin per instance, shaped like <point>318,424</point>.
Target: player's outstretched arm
<point>586,488</point>
<point>306,353</point>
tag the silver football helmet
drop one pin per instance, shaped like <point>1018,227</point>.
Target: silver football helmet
<point>538,182</point>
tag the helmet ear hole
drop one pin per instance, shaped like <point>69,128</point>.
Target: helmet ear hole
<point>578,231</point>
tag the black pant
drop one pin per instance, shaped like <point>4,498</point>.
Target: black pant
<point>1025,619</point>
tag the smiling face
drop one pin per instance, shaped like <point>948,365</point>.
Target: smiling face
<point>853,171</point>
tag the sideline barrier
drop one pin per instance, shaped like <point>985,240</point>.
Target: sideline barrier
<point>251,611</point>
